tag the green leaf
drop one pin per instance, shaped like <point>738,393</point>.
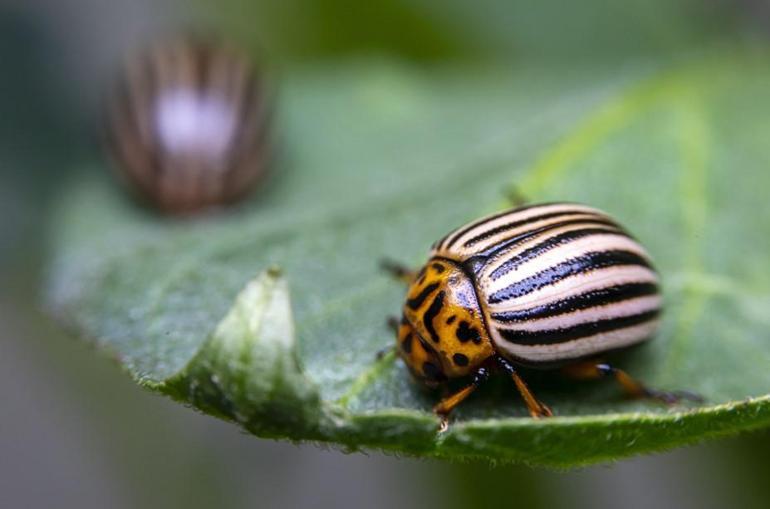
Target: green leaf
<point>379,161</point>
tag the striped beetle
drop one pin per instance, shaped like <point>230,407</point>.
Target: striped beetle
<point>187,125</point>
<point>544,286</point>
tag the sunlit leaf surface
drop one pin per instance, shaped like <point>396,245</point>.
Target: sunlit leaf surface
<point>271,314</point>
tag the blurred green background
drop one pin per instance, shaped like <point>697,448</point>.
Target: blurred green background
<point>76,432</point>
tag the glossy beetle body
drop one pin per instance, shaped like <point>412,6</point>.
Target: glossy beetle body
<point>546,286</point>
<point>188,125</point>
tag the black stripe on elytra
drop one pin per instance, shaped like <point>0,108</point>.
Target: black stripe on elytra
<point>499,248</point>
<point>431,313</point>
<point>121,108</point>
<point>578,265</point>
<point>129,108</point>
<point>546,245</point>
<point>155,89</point>
<point>534,219</point>
<point>593,298</point>
<point>476,224</point>
<point>417,301</point>
<point>205,60</point>
<point>198,58</point>
<point>562,335</point>
<point>244,140</point>
<point>156,161</point>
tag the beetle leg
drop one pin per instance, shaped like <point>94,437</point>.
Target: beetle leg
<point>385,351</point>
<point>591,370</point>
<point>398,270</point>
<point>393,324</point>
<point>537,409</point>
<point>448,403</point>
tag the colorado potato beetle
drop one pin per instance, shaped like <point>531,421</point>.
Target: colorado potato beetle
<point>548,286</point>
<point>187,124</point>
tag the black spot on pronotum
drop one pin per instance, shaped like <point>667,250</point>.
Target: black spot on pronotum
<point>421,276</point>
<point>437,267</point>
<point>419,299</point>
<point>460,359</point>
<point>406,344</point>
<point>431,313</point>
<point>432,372</point>
<point>467,333</point>
<point>451,319</point>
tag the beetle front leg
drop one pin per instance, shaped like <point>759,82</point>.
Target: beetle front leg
<point>592,370</point>
<point>444,407</point>
<point>385,351</point>
<point>393,324</point>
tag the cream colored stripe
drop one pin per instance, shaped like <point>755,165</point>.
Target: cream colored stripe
<point>493,240</point>
<point>581,283</point>
<point>517,249</point>
<point>513,217</point>
<point>607,312</point>
<point>582,347</point>
<point>551,258</point>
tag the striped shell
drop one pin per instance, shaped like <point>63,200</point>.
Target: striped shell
<point>187,125</point>
<point>557,282</point>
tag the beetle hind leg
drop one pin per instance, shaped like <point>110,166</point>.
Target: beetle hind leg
<point>592,370</point>
<point>537,408</point>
